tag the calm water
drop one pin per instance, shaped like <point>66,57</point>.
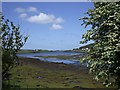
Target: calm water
<point>33,55</point>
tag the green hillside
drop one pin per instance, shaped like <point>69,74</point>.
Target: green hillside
<point>80,49</point>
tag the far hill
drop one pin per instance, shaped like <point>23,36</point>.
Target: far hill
<point>87,46</point>
<point>83,48</point>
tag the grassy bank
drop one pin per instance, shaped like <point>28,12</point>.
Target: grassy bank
<point>32,73</point>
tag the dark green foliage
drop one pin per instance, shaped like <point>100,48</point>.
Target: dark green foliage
<point>12,41</point>
<point>104,57</point>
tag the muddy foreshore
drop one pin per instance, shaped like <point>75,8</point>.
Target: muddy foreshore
<point>52,66</point>
<point>33,73</point>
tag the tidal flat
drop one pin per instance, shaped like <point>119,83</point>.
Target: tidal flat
<point>33,73</point>
<point>64,57</point>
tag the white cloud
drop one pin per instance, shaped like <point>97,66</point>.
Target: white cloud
<point>20,10</point>
<point>43,18</point>
<point>32,9</point>
<point>56,27</point>
<point>23,15</point>
<point>29,9</point>
<point>59,20</point>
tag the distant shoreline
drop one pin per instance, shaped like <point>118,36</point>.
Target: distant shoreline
<point>39,51</point>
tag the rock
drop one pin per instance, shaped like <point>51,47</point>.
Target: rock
<point>66,85</point>
<point>19,75</point>
<point>67,78</point>
<point>80,88</point>
<point>38,85</point>
<point>18,81</point>
<point>39,77</point>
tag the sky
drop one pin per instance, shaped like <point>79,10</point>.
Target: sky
<point>49,25</point>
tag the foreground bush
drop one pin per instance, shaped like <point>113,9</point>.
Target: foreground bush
<point>104,57</point>
<point>12,41</point>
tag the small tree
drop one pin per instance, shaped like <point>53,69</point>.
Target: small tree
<point>104,57</point>
<point>12,41</point>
